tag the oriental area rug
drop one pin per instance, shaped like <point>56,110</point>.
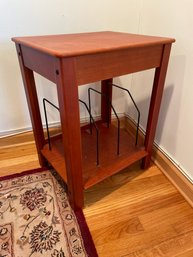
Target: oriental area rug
<point>36,218</point>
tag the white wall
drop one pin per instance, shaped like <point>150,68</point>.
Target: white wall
<point>174,132</point>
<point>166,18</point>
<point>24,17</point>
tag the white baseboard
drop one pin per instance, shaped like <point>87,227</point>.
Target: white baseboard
<point>14,132</point>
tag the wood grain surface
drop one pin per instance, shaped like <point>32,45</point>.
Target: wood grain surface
<point>87,43</point>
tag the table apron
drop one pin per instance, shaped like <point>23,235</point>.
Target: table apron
<point>39,62</point>
<point>96,67</point>
<point>99,66</point>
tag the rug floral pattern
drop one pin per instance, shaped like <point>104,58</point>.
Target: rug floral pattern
<point>36,219</point>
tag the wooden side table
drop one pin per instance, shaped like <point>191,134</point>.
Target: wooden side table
<point>77,59</point>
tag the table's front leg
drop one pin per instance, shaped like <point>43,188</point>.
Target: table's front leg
<point>155,103</point>
<point>67,89</point>
<point>32,99</point>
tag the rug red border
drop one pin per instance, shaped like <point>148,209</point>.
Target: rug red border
<point>85,232</point>
<point>86,235</point>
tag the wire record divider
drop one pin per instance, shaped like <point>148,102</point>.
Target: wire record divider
<point>109,102</point>
<point>135,105</point>
<point>92,121</point>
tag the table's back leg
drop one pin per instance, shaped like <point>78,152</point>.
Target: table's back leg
<point>32,99</point>
<point>155,103</point>
<point>67,89</point>
<point>106,88</point>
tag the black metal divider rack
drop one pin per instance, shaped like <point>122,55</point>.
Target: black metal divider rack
<point>94,123</point>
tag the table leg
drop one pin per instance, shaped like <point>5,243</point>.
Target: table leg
<point>156,97</point>
<point>67,89</point>
<point>32,99</point>
<point>106,88</point>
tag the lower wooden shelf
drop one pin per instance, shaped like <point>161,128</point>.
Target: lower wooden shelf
<point>109,162</point>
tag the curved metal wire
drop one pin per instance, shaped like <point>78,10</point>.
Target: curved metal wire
<point>91,118</point>
<point>138,119</point>
<point>97,131</point>
<point>104,95</point>
<point>46,118</point>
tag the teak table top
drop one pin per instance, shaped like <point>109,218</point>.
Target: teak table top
<point>65,45</point>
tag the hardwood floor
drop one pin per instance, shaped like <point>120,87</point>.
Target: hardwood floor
<point>135,213</point>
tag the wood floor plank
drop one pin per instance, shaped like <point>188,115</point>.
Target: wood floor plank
<point>16,151</point>
<point>9,170</point>
<point>122,243</point>
<point>22,159</point>
<point>188,253</point>
<point>101,198</point>
<point>172,247</point>
<point>184,225</point>
<point>152,219</point>
<point>128,211</point>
